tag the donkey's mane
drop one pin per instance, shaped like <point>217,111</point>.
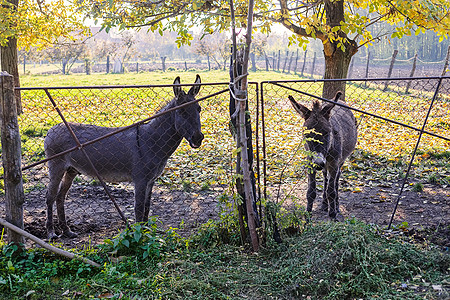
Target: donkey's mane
<point>168,105</point>
<point>316,107</point>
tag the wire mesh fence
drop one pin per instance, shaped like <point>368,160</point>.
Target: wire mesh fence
<point>389,121</point>
<point>186,195</point>
<point>196,184</point>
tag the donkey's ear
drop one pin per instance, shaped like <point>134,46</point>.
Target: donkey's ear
<point>301,109</point>
<point>196,88</point>
<point>338,95</point>
<point>176,87</point>
<point>326,110</point>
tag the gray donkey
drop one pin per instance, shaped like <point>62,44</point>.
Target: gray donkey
<point>331,137</point>
<point>138,154</point>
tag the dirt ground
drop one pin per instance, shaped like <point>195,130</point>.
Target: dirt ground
<point>91,214</point>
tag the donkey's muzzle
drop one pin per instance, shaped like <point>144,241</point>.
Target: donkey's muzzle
<point>196,140</point>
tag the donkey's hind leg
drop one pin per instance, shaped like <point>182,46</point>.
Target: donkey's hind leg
<point>325,205</point>
<point>64,188</point>
<point>56,173</point>
<point>311,192</point>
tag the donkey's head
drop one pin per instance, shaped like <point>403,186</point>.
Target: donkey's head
<point>318,129</point>
<point>187,119</point>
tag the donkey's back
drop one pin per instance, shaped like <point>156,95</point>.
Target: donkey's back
<point>111,156</point>
<point>343,124</point>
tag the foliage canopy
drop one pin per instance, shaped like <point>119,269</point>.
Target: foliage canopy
<point>349,19</point>
<point>39,23</point>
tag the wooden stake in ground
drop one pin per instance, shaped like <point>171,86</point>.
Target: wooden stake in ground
<point>391,67</point>
<point>11,156</point>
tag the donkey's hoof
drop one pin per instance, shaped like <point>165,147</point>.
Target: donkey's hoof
<point>338,218</point>
<point>51,236</point>
<point>69,234</point>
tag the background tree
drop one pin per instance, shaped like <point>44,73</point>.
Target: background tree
<point>34,23</point>
<point>64,55</point>
<point>104,49</point>
<point>342,26</point>
<point>209,46</point>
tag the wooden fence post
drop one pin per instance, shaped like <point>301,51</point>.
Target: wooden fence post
<point>285,60</point>
<point>304,63</point>
<point>412,73</point>
<point>296,61</point>
<point>274,62</point>
<point>279,59</point>
<point>446,62</point>
<point>11,156</point>
<point>313,65</point>
<point>391,67</point>
<point>367,67</point>
<point>290,63</point>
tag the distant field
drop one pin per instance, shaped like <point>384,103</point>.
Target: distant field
<point>142,78</point>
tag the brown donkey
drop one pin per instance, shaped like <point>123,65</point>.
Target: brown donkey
<point>331,138</point>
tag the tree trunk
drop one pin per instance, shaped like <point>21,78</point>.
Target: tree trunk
<point>253,59</point>
<point>9,63</point>
<point>87,66</point>
<point>337,61</point>
<point>64,65</point>
<point>107,64</point>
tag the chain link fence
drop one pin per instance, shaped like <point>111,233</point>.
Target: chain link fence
<point>197,184</point>
<point>389,121</point>
<point>192,189</point>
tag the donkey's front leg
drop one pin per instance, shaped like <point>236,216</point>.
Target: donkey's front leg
<point>148,196</point>
<point>140,188</point>
<point>142,195</point>
<point>332,193</point>
<point>324,206</point>
<point>311,193</point>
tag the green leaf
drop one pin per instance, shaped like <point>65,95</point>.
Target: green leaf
<point>126,243</point>
<point>137,235</point>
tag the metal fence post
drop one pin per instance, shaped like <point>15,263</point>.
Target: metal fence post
<point>11,156</point>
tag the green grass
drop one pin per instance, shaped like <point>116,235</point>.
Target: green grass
<point>157,77</point>
<point>347,260</point>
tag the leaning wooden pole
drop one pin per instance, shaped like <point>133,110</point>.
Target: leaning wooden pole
<point>446,62</point>
<point>43,244</point>
<point>241,101</point>
<point>11,156</point>
<point>236,133</point>
<point>244,154</point>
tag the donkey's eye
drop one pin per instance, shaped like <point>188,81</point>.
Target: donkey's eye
<point>199,108</point>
